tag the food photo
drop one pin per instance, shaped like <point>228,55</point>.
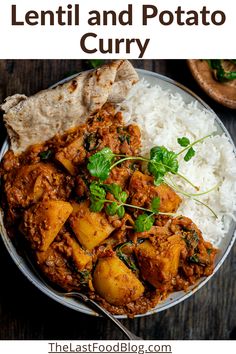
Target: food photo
<point>118,199</point>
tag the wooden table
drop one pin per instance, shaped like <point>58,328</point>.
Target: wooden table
<point>26,313</point>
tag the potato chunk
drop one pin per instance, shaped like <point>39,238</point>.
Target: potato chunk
<point>43,221</point>
<point>176,244</point>
<point>159,268</point>
<point>71,155</point>
<point>80,257</point>
<point>90,228</point>
<point>115,282</point>
<point>142,191</point>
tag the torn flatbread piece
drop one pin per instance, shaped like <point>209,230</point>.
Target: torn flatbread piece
<point>35,119</point>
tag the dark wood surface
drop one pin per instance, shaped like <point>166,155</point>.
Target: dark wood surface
<point>26,313</point>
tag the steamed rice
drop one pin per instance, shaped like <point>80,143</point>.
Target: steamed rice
<point>163,117</point>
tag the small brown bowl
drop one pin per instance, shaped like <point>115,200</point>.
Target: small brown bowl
<point>222,92</point>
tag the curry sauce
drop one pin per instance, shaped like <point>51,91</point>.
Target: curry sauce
<point>46,200</point>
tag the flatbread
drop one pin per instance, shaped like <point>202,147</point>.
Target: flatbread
<point>35,119</point>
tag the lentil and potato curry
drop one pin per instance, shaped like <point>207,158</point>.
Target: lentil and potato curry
<point>46,198</point>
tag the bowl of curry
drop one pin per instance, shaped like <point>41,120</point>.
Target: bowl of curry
<point>91,236</point>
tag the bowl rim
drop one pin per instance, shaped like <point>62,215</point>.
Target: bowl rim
<point>41,285</point>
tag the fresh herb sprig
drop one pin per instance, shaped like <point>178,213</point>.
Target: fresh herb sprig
<point>160,162</point>
<point>145,221</point>
<point>185,142</point>
<point>120,196</point>
<point>100,163</point>
<point>98,200</point>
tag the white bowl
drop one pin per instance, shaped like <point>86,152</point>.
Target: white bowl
<point>174,298</point>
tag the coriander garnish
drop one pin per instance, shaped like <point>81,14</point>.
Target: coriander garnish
<point>98,200</point>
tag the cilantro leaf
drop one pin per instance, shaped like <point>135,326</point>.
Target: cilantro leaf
<point>114,189</point>
<point>144,222</point>
<point>123,196</point>
<point>169,159</point>
<point>162,161</point>
<point>120,195</point>
<point>157,171</point>
<point>159,179</point>
<point>97,191</point>
<point>183,141</point>
<point>97,197</point>
<point>121,211</point>
<point>155,204</point>
<point>189,155</point>
<point>96,205</point>
<point>117,191</point>
<point>111,209</point>
<point>100,163</point>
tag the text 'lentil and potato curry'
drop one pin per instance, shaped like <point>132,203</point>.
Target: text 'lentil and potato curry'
<point>119,237</point>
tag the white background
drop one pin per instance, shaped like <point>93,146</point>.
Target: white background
<point>63,42</point>
<point>178,347</point>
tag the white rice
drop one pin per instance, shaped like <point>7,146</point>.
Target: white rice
<point>163,117</point>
